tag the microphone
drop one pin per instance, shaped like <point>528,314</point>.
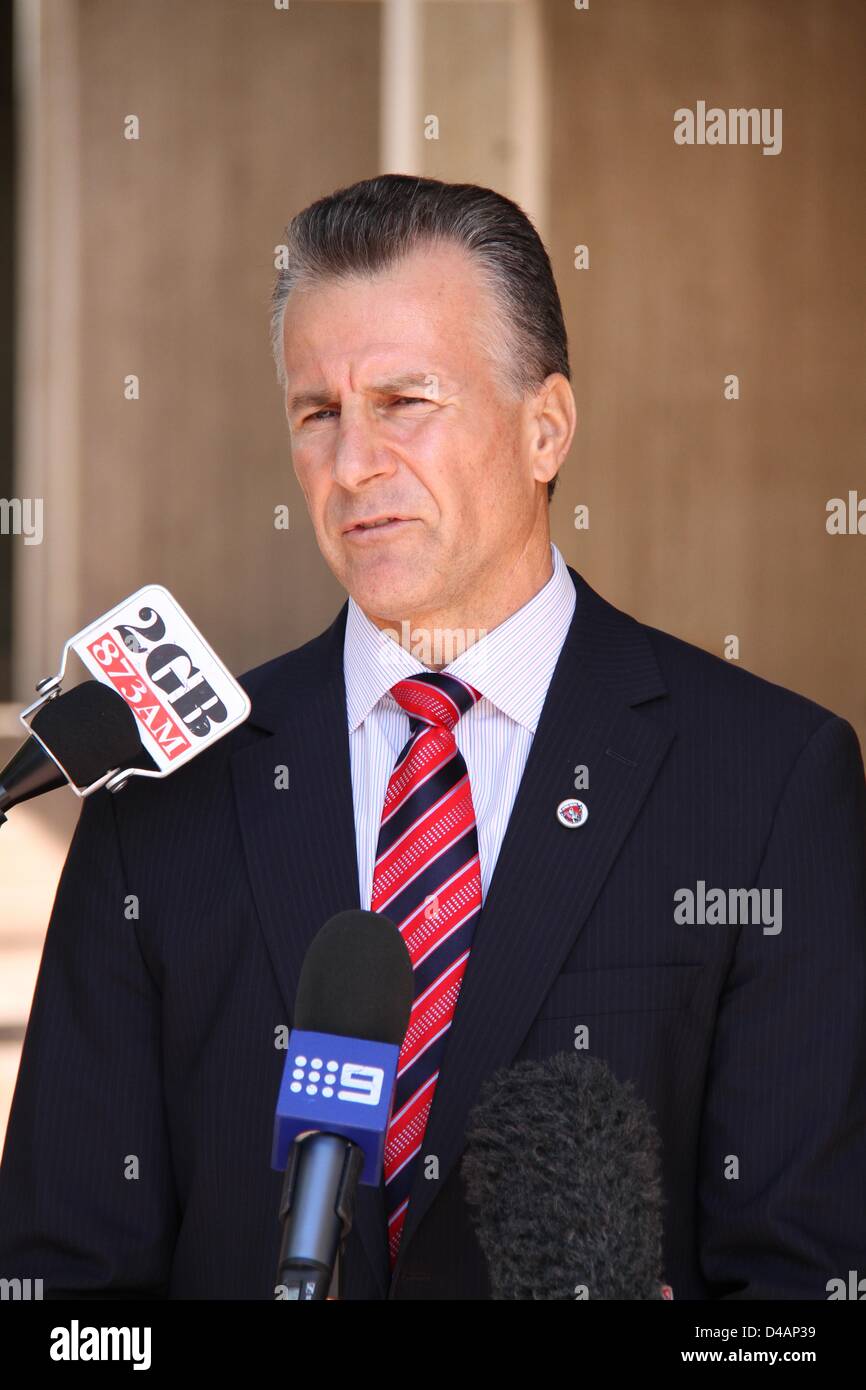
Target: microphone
<point>352,1009</point>
<point>77,737</point>
<point>562,1176</point>
<point>149,660</point>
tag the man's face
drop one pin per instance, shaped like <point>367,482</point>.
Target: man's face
<point>395,410</point>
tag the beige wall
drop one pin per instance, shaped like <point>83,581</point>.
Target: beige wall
<point>708,516</point>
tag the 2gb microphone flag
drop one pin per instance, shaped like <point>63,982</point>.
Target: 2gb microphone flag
<point>153,655</point>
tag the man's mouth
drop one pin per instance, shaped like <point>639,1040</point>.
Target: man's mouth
<point>382,525</point>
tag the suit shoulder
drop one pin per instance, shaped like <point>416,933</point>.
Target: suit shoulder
<point>297,665</point>
<point>715,697</point>
<point>703,680</point>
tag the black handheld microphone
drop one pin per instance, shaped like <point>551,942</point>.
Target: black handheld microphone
<point>351,1013</point>
<point>82,735</point>
<point>562,1176</point>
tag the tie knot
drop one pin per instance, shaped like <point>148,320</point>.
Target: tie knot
<point>435,697</point>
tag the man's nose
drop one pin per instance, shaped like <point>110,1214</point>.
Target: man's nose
<point>360,452</point>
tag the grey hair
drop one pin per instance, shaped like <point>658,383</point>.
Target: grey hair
<point>367,227</point>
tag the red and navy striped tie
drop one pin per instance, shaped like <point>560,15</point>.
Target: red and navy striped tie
<point>427,879</point>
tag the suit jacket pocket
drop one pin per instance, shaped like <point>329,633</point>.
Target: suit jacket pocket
<point>628,989</point>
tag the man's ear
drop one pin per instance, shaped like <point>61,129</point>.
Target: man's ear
<point>552,422</point>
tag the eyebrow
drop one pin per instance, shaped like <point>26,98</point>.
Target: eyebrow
<point>393,386</point>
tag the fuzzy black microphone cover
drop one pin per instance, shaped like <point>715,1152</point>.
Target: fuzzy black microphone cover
<point>562,1176</point>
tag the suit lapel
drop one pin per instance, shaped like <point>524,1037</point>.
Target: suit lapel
<point>302,861</point>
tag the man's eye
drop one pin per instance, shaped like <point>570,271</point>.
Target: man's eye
<point>397,400</point>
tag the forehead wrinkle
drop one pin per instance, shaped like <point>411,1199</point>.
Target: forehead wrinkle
<point>404,379</point>
<point>322,396</point>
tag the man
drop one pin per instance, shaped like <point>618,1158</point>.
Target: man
<point>591,834</point>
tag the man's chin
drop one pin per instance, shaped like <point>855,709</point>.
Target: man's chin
<point>389,580</point>
<point>388,605</point>
<point>389,594</point>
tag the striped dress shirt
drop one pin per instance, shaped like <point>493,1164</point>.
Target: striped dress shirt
<point>512,666</point>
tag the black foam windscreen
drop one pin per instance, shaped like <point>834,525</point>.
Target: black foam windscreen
<point>562,1177</point>
<point>89,729</point>
<point>356,980</point>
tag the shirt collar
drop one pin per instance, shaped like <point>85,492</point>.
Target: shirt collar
<point>511,666</point>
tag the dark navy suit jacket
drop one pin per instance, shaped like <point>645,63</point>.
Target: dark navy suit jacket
<point>150,1046</point>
